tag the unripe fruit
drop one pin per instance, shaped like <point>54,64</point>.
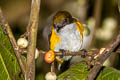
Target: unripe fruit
<point>36,53</point>
<point>22,42</point>
<point>50,76</point>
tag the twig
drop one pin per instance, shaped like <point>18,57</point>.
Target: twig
<point>101,59</point>
<point>8,31</point>
<point>52,67</point>
<point>90,52</point>
<point>33,25</point>
<point>67,53</point>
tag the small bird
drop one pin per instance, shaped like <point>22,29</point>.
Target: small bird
<point>66,33</point>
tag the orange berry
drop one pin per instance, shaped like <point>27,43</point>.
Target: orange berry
<point>49,56</point>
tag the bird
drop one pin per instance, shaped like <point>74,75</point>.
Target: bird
<point>66,33</point>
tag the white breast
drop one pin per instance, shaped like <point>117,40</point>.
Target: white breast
<point>70,38</point>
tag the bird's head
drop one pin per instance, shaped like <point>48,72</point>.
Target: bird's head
<point>61,19</point>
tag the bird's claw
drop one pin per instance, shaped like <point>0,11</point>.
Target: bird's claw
<point>85,53</point>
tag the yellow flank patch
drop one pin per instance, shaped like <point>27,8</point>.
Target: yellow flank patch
<point>81,29</point>
<point>54,39</point>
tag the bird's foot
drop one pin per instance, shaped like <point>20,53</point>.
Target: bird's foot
<point>85,53</point>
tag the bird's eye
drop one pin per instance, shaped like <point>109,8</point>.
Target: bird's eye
<point>65,20</point>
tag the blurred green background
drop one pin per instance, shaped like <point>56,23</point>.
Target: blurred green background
<point>100,16</point>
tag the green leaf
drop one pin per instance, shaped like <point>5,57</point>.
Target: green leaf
<point>75,72</point>
<point>109,73</point>
<point>9,67</point>
<point>80,72</point>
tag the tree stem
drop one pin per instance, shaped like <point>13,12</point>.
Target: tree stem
<point>32,38</point>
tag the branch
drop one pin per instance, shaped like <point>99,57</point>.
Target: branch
<point>91,52</point>
<point>67,53</point>
<point>33,25</point>
<point>8,31</point>
<point>101,59</point>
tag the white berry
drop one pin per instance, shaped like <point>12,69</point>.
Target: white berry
<point>50,76</point>
<point>22,42</point>
<point>36,53</point>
